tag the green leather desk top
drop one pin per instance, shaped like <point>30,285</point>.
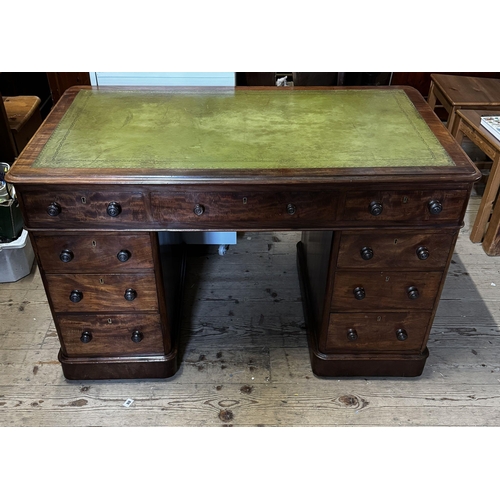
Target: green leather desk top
<point>242,129</point>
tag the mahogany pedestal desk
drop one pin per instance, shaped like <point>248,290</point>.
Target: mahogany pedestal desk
<point>463,92</point>
<point>469,124</point>
<point>371,177</point>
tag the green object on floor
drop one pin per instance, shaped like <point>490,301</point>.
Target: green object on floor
<point>11,221</point>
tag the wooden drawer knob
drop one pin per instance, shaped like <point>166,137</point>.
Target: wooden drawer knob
<point>401,334</point>
<point>376,208</point>
<point>114,209</point>
<point>123,255</point>
<point>66,256</point>
<point>435,207</point>
<point>86,337</point>
<point>199,210</point>
<point>352,335</point>
<point>422,253</point>
<point>130,294</point>
<point>75,296</point>
<point>54,209</point>
<point>137,336</point>
<point>366,253</point>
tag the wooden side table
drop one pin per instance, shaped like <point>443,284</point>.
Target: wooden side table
<point>469,124</point>
<point>463,92</point>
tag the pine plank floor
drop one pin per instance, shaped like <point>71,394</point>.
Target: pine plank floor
<point>245,357</point>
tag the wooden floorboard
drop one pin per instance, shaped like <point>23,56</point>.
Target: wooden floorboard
<point>246,361</point>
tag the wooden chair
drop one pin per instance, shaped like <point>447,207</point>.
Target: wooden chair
<point>7,146</point>
<point>24,118</point>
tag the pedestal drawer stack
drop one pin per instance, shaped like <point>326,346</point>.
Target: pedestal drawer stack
<point>385,289</point>
<point>106,299</point>
<point>381,286</point>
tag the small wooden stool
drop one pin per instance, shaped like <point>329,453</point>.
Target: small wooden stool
<point>468,123</point>
<point>23,113</point>
<point>463,92</point>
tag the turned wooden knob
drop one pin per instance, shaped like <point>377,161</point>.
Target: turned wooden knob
<point>422,253</point>
<point>114,209</point>
<point>366,253</point>
<point>54,209</point>
<point>352,335</point>
<point>401,334</point>
<point>76,296</point>
<point>376,208</point>
<point>86,337</point>
<point>123,255</point>
<point>137,336</point>
<point>435,207</point>
<point>66,256</point>
<point>199,210</point>
<point>130,294</point>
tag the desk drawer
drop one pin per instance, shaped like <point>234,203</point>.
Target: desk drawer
<point>97,252</point>
<point>406,206</point>
<point>244,209</point>
<point>79,209</point>
<point>111,335</point>
<point>379,291</point>
<point>103,292</point>
<point>377,331</point>
<point>405,250</point>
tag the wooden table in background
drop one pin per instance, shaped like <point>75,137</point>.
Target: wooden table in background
<point>463,92</point>
<point>469,124</point>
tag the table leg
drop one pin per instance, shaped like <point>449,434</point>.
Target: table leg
<point>484,212</point>
<point>452,121</point>
<point>459,133</point>
<point>431,100</point>
<point>491,242</point>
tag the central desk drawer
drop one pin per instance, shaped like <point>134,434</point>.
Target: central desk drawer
<point>103,292</point>
<point>378,291</point>
<point>244,209</point>
<point>111,335</point>
<point>98,252</point>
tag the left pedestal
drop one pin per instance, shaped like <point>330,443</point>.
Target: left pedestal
<point>114,299</point>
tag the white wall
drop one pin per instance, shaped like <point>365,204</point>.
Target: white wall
<point>171,78</point>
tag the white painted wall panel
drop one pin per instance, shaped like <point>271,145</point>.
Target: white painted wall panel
<point>164,79</point>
